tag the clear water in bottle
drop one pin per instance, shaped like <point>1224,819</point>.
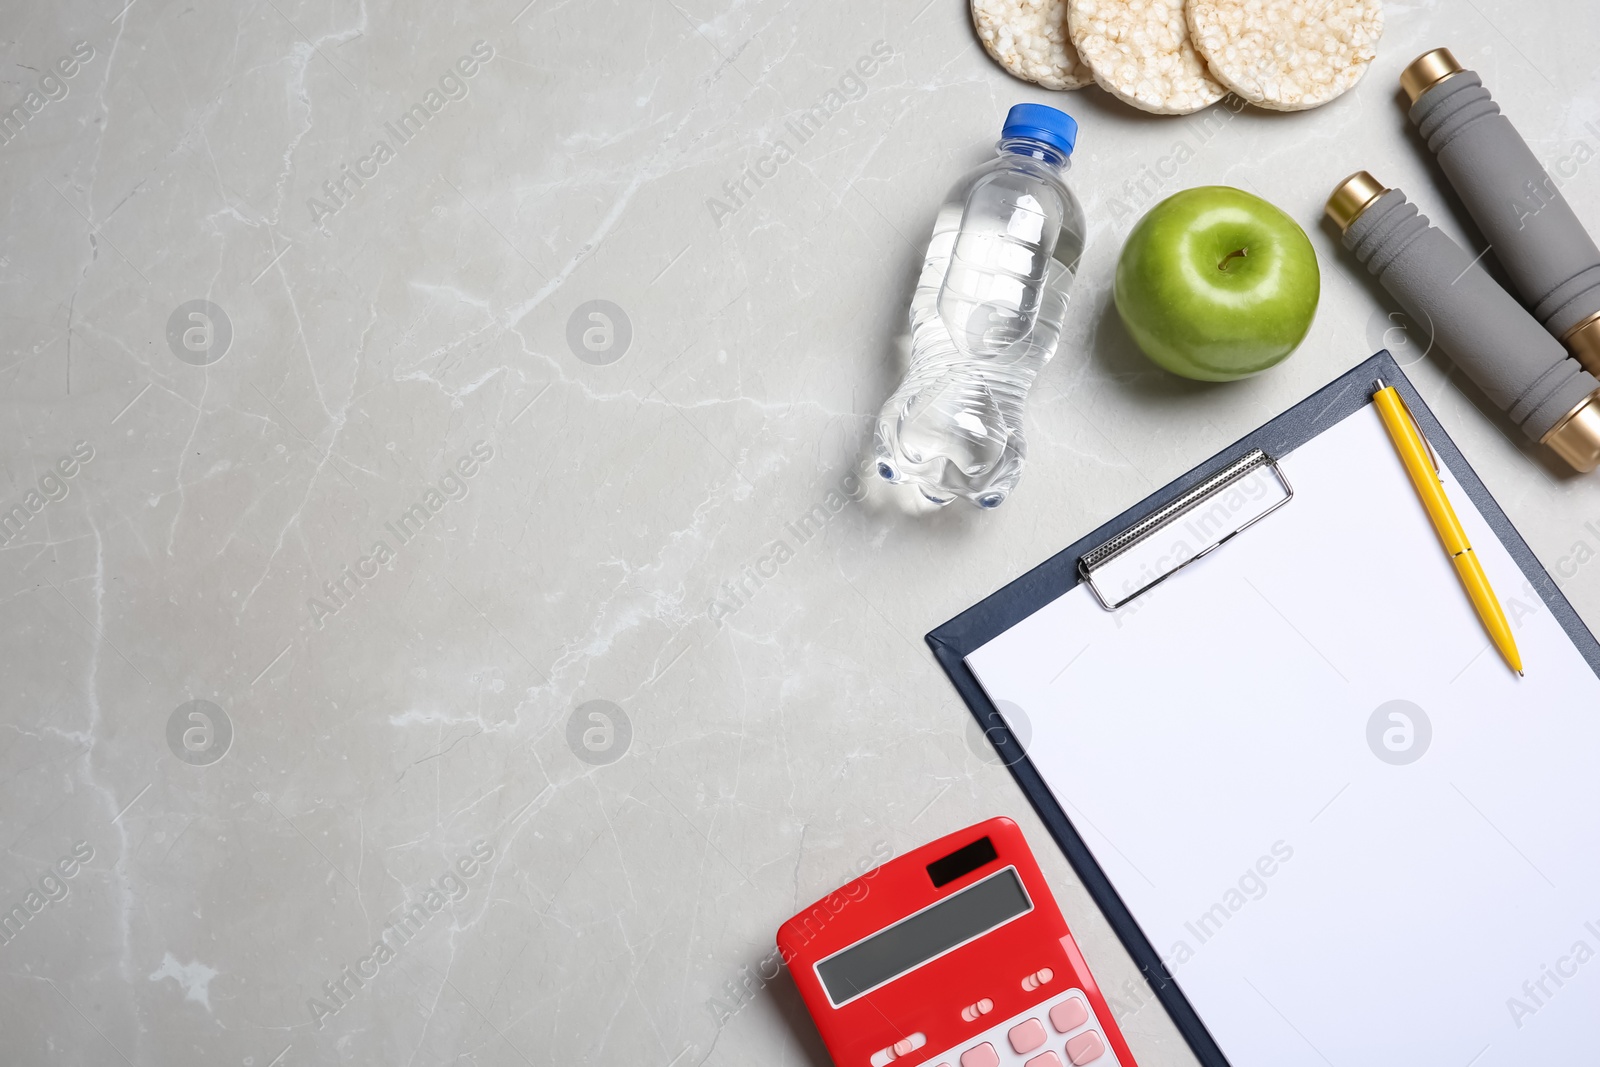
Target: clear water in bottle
<point>986,317</point>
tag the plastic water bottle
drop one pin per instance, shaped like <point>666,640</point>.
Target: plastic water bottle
<point>986,316</point>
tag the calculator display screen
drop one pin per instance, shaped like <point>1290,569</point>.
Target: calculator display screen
<point>931,932</point>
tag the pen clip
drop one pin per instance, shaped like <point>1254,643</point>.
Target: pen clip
<point>1432,456</point>
<point>1425,442</point>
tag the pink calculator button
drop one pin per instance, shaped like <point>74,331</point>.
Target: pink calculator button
<point>982,1055</point>
<point>1069,1015</point>
<point>1085,1048</point>
<point>1049,1059</point>
<point>1025,1037</point>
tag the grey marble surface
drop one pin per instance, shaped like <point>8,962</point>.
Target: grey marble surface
<point>383,727</point>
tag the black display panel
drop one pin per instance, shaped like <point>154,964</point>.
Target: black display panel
<point>931,932</point>
<point>963,860</point>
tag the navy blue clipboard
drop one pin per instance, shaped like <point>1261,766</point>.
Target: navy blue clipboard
<point>997,613</point>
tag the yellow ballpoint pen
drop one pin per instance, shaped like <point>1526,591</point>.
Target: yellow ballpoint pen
<point>1416,455</point>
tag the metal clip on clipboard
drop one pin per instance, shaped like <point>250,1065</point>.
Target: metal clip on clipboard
<point>1190,528</point>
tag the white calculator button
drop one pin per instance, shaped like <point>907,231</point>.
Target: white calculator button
<point>982,1055</point>
<point>1026,1036</point>
<point>1085,1048</point>
<point>1068,1015</point>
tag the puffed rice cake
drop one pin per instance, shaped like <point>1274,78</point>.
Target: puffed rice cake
<point>1287,55</point>
<point>1140,53</point>
<point>1029,39</point>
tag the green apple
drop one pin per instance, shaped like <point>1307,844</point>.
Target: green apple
<point>1216,284</point>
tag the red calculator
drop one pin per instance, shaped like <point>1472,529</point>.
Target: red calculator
<point>953,955</point>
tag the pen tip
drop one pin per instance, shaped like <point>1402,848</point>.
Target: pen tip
<point>1521,675</point>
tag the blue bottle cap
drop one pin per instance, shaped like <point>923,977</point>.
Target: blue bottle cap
<point>1042,123</point>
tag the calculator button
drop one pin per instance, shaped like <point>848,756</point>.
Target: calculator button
<point>1069,1015</point>
<point>1038,978</point>
<point>904,1047</point>
<point>982,1055</point>
<point>1025,1037</point>
<point>1049,1059</point>
<point>971,1012</point>
<point>1085,1048</point>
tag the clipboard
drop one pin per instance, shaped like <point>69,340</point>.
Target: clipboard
<point>1254,455</point>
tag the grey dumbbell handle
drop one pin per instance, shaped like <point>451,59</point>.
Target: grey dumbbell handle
<point>1523,369</point>
<point>1549,256</point>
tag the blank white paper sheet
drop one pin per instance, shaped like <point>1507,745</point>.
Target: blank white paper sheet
<point>1356,838</point>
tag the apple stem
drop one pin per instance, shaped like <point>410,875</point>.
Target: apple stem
<point>1239,252</point>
